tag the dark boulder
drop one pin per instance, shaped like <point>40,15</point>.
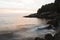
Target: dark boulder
<point>57,36</point>
<point>38,38</point>
<point>54,23</point>
<point>48,37</point>
<point>8,35</point>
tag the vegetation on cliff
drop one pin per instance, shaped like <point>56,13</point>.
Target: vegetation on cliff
<point>48,11</point>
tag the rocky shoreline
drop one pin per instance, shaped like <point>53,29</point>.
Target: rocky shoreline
<point>50,12</point>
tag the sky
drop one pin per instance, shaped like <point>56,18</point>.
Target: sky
<point>23,4</point>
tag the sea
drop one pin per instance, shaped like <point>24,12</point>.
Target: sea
<point>13,26</point>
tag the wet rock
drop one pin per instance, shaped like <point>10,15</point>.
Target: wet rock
<point>48,37</point>
<point>38,38</point>
<point>54,23</point>
<point>8,35</point>
<point>57,36</point>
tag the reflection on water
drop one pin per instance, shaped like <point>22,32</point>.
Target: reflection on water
<point>16,19</point>
<point>26,27</point>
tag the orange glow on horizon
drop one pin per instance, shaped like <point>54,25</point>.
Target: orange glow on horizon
<point>2,10</point>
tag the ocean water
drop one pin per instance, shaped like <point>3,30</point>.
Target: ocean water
<point>21,28</point>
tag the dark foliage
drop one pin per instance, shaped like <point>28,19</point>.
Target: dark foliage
<point>48,11</point>
<point>47,8</point>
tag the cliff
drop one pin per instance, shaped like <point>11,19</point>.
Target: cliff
<point>48,11</point>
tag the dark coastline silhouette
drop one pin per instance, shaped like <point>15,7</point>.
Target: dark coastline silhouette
<point>32,15</point>
<point>49,11</point>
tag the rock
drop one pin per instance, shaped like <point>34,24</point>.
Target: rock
<point>47,27</point>
<point>47,15</point>
<point>54,23</point>
<point>57,1</point>
<point>9,35</point>
<point>38,38</point>
<point>48,37</point>
<point>52,7</point>
<point>57,36</point>
<point>46,8</point>
<point>32,15</point>
<point>48,11</point>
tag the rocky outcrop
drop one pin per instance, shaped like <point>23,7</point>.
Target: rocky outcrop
<point>32,15</point>
<point>38,38</point>
<point>48,11</point>
<point>57,36</point>
<point>48,37</point>
<point>46,8</point>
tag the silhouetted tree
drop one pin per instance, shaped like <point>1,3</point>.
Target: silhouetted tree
<point>46,8</point>
<point>57,4</point>
<point>48,11</point>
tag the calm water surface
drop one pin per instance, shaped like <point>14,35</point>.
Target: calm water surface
<point>25,27</point>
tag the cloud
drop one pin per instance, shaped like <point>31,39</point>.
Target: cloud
<point>23,3</point>
<point>4,4</point>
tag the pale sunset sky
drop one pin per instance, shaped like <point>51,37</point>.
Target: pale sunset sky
<point>21,6</point>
